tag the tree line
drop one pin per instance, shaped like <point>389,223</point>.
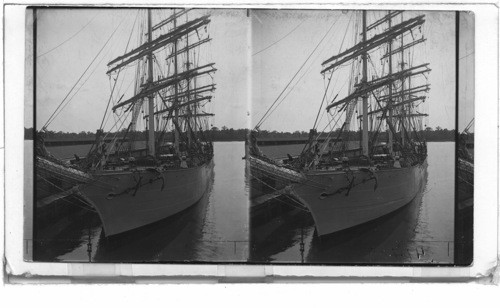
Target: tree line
<point>231,134</point>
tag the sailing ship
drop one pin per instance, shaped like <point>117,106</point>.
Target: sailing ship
<point>130,187</point>
<point>344,185</point>
<point>465,167</point>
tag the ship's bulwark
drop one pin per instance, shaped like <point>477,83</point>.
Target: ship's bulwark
<point>371,195</point>
<point>129,200</point>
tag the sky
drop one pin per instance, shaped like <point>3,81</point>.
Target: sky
<point>256,56</point>
<point>284,59</point>
<point>466,71</point>
<point>81,33</point>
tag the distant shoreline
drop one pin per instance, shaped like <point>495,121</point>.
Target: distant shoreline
<point>225,134</point>
<point>56,143</point>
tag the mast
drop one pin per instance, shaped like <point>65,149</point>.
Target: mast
<point>403,120</point>
<point>188,88</point>
<point>410,106</point>
<point>176,92</point>
<point>195,128</point>
<point>374,42</point>
<point>389,103</point>
<point>364,138</point>
<point>394,93</point>
<point>175,88</point>
<point>165,39</point>
<point>151,107</point>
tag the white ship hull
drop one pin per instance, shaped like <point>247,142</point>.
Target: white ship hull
<point>124,205</point>
<point>335,210</point>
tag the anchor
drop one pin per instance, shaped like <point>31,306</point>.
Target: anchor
<point>373,176</point>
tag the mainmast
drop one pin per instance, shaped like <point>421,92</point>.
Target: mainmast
<point>174,86</point>
<point>176,94</point>
<point>403,119</point>
<point>188,89</point>
<point>389,102</point>
<point>364,137</point>
<point>151,102</point>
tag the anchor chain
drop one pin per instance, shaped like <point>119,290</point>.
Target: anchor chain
<point>139,183</point>
<point>350,179</point>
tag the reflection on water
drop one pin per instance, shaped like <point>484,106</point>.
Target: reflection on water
<point>420,232</point>
<point>173,239</point>
<point>201,233</point>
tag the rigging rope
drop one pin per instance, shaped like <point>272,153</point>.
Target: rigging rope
<point>268,112</point>
<point>278,40</point>
<point>466,130</point>
<point>469,54</point>
<point>77,196</point>
<point>323,101</point>
<point>118,74</point>
<point>330,79</point>
<point>296,82</point>
<point>68,39</point>
<point>331,75</point>
<point>284,195</point>
<point>52,117</point>
<point>78,90</point>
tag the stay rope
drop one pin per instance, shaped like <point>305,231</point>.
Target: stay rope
<point>68,39</point>
<point>118,74</point>
<point>269,112</point>
<point>52,117</point>
<point>279,39</point>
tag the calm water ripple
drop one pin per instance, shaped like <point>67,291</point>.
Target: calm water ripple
<point>217,229</point>
<point>420,232</point>
<point>213,230</point>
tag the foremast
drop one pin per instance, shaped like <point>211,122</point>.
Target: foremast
<point>390,106</point>
<point>364,137</point>
<point>151,101</point>
<point>176,92</point>
<point>390,136</point>
<point>168,88</point>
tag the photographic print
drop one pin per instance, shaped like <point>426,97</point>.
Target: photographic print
<point>256,136</point>
<point>352,155</point>
<point>131,135</point>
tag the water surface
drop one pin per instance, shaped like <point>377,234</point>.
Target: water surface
<point>213,230</point>
<point>420,232</point>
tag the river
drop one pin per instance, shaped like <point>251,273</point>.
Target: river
<point>219,227</point>
<point>420,232</point>
<point>213,230</point>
